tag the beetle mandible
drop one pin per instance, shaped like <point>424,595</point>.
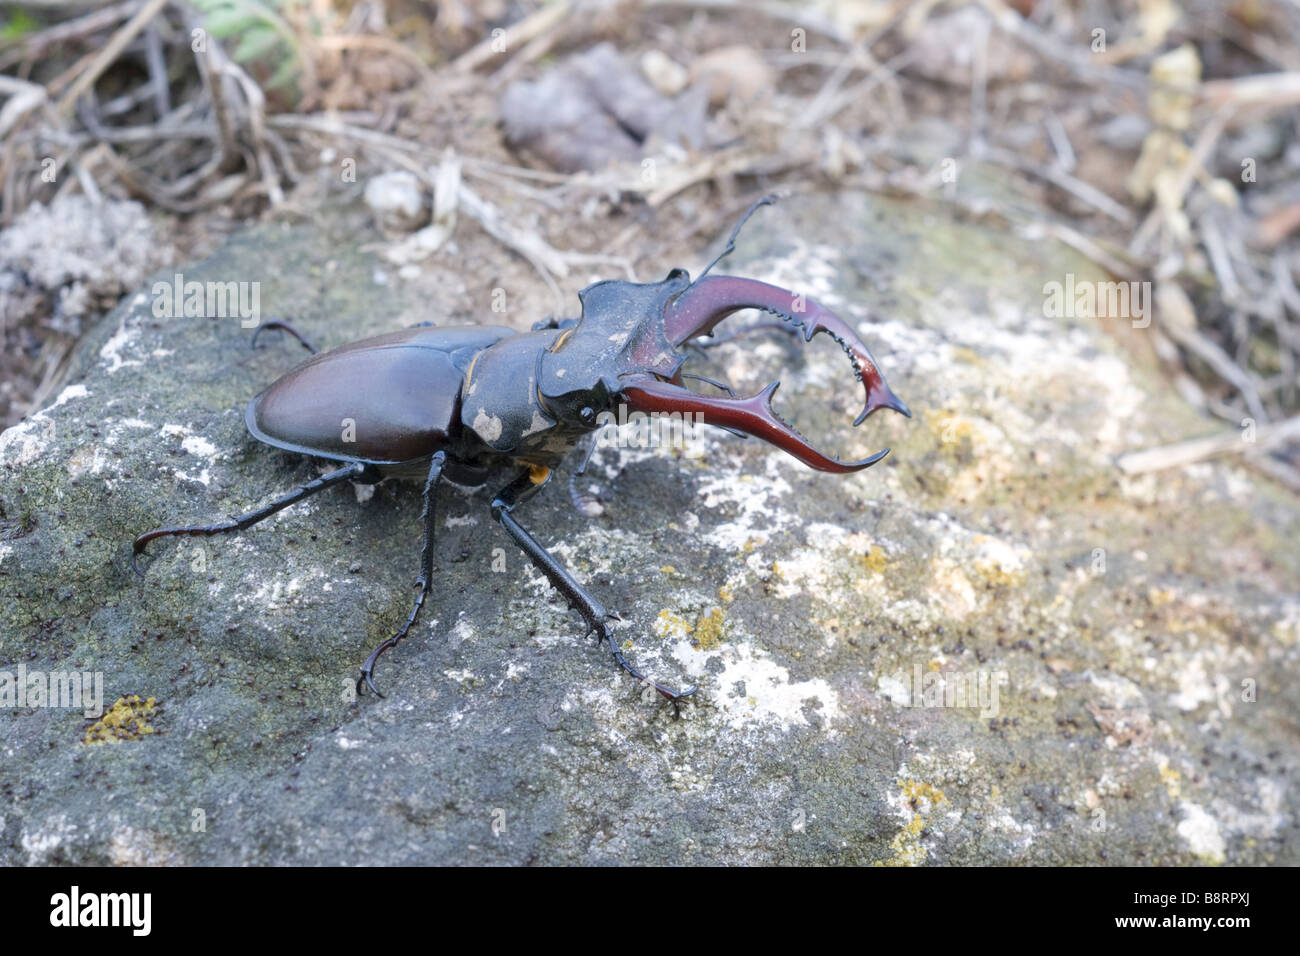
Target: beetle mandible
<point>464,403</point>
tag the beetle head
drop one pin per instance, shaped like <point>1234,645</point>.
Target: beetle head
<point>627,347</point>
<point>581,374</point>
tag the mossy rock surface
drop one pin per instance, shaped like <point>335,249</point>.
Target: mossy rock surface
<point>1141,632</point>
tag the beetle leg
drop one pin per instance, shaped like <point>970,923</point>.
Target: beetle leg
<point>592,611</point>
<point>286,327</point>
<point>353,470</point>
<point>423,582</point>
<point>579,499</point>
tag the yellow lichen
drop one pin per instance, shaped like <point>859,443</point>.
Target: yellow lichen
<point>1171,778</point>
<point>708,630</point>
<point>672,625</point>
<point>127,719</point>
<point>1160,596</point>
<point>724,593</point>
<point>916,791</point>
<point>875,559</point>
<point>906,846</point>
<point>947,426</point>
<point>995,575</point>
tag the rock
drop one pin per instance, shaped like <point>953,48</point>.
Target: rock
<point>732,73</point>
<point>84,255</point>
<point>396,200</point>
<point>948,45</point>
<point>594,108</point>
<point>665,74</point>
<point>558,120</point>
<point>1140,632</point>
<point>62,265</point>
<point>424,242</point>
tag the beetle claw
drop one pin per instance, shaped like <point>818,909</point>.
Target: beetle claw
<point>368,669</point>
<point>140,542</point>
<point>368,680</point>
<point>603,633</point>
<point>285,327</point>
<point>672,696</point>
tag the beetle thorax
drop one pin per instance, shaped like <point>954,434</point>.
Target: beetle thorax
<point>620,332</point>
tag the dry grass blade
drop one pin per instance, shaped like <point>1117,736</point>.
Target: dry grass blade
<point>111,51</point>
<point>527,29</point>
<point>1195,166</point>
<point>1271,89</point>
<point>1212,446</point>
<point>38,43</point>
<point>23,98</point>
<point>1058,177</point>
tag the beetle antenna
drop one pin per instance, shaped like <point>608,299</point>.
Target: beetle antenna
<point>767,200</point>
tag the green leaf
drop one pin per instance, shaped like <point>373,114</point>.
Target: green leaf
<point>19,24</point>
<point>284,75</point>
<point>225,23</point>
<point>257,42</point>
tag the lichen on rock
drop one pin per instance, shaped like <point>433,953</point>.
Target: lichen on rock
<point>1128,643</point>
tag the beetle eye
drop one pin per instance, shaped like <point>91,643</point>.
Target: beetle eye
<point>586,416</point>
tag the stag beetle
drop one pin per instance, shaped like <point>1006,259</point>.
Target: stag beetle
<point>462,403</point>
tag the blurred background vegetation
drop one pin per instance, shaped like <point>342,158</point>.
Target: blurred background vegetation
<point>1158,138</point>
